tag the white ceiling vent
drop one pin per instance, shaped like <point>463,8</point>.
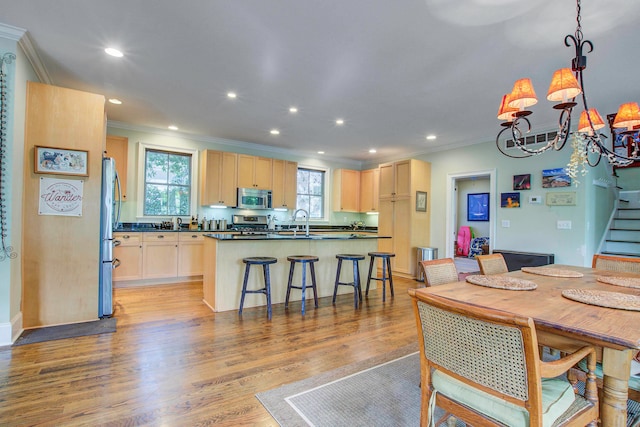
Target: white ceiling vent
<point>540,138</point>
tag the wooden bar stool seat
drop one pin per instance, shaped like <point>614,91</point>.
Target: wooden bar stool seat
<point>304,260</point>
<point>386,271</point>
<point>357,288</point>
<point>264,262</point>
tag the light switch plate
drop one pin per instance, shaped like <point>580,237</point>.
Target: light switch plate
<point>506,223</point>
<point>535,200</point>
<point>564,225</point>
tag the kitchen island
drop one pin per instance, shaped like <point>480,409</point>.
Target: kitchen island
<point>224,269</point>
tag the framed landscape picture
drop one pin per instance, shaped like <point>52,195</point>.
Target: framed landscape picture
<point>478,207</point>
<point>554,178</point>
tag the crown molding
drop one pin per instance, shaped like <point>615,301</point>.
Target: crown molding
<point>34,59</point>
<point>12,33</point>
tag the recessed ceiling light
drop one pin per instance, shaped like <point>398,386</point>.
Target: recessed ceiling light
<point>114,52</point>
<point>293,110</point>
<point>373,151</point>
<point>115,101</point>
<point>431,137</point>
<point>275,132</point>
<point>231,95</point>
<point>320,152</point>
<point>173,127</point>
<point>339,122</point>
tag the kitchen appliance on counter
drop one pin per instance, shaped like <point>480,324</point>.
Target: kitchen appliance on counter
<point>253,198</point>
<point>110,208</point>
<point>250,224</point>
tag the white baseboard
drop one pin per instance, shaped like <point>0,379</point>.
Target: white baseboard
<point>9,332</point>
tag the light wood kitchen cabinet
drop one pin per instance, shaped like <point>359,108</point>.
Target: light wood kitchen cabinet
<point>128,251</point>
<point>369,184</point>
<point>218,178</point>
<point>118,148</point>
<point>159,255</point>
<point>254,172</point>
<point>398,217</point>
<point>190,256</point>
<point>346,190</point>
<point>285,181</point>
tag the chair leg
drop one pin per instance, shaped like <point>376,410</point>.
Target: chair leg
<point>335,288</point>
<point>371,262</point>
<point>359,282</point>
<point>244,287</point>
<point>313,283</point>
<point>304,286</point>
<point>390,275</point>
<point>356,284</point>
<point>384,280</point>
<point>286,301</point>
<point>267,288</point>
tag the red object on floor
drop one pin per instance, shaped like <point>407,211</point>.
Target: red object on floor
<point>464,241</point>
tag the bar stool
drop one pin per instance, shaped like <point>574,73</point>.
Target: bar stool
<point>386,271</point>
<point>264,262</point>
<point>304,260</point>
<point>357,288</point>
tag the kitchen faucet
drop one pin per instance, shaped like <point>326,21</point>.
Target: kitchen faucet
<point>306,215</point>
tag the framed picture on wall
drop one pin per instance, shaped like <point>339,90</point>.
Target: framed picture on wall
<point>553,178</point>
<point>61,161</point>
<point>478,207</point>
<point>510,200</point>
<point>522,182</point>
<point>421,201</point>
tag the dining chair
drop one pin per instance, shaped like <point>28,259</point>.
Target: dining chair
<point>492,264</point>
<point>482,366</point>
<point>616,263</point>
<point>439,271</point>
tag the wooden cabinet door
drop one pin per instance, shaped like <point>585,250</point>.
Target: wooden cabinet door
<point>346,190</point>
<point>246,167</point>
<point>403,261</point>
<point>128,252</point>
<point>118,148</point>
<point>369,190</point>
<point>262,173</point>
<point>402,178</point>
<point>387,181</point>
<point>190,256</point>
<point>385,225</point>
<point>210,162</point>
<point>159,255</point>
<point>290,185</point>
<point>228,179</point>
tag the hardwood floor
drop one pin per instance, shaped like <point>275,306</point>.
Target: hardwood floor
<point>173,362</point>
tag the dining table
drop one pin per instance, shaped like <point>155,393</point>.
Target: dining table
<point>599,313</point>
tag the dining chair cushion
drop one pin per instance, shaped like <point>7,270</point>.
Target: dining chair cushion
<point>557,397</point>
<point>634,382</point>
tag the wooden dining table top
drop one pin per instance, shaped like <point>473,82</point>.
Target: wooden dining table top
<point>607,327</point>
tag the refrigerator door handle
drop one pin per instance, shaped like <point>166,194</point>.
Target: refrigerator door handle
<point>117,242</point>
<point>119,199</point>
<point>116,263</point>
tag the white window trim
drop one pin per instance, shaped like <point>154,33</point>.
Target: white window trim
<point>142,147</point>
<point>325,192</point>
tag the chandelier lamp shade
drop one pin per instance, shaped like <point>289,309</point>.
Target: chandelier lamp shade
<point>567,90</point>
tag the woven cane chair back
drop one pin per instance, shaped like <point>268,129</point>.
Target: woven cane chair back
<point>492,264</point>
<point>439,271</point>
<point>616,263</point>
<point>492,352</point>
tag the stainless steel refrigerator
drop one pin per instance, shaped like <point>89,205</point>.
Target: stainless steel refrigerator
<point>110,206</point>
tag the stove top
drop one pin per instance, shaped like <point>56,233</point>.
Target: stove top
<point>250,223</point>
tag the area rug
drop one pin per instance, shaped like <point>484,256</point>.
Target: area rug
<point>383,391</point>
<point>51,333</point>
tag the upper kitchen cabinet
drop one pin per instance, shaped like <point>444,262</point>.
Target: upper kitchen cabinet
<point>118,148</point>
<point>218,178</point>
<point>369,184</point>
<point>254,172</point>
<point>346,190</point>
<point>395,179</point>
<point>285,180</point>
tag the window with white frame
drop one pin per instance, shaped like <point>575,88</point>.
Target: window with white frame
<point>167,181</point>
<point>311,192</point>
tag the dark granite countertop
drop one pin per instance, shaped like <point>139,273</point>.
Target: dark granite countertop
<point>152,227</point>
<point>290,236</point>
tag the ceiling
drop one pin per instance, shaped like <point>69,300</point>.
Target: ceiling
<point>394,71</point>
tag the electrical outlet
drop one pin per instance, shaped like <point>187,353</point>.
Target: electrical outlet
<point>564,225</point>
<point>506,223</point>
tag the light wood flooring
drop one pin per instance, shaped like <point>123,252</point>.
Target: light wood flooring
<point>173,362</point>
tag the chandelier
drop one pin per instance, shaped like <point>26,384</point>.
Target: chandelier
<point>567,85</point>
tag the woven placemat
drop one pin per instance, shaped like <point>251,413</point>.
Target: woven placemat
<point>604,298</point>
<point>550,271</point>
<point>627,282</point>
<point>501,282</point>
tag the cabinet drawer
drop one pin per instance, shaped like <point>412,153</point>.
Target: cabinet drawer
<point>187,236</point>
<point>127,239</point>
<point>160,237</point>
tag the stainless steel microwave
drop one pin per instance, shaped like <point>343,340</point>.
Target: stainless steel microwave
<point>252,198</point>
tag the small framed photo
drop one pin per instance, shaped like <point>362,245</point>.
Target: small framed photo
<point>510,200</point>
<point>478,207</point>
<point>61,161</point>
<point>421,201</point>
<point>522,182</point>
<point>554,178</point>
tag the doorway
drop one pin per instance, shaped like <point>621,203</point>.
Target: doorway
<point>453,221</point>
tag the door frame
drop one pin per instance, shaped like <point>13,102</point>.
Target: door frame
<point>452,206</point>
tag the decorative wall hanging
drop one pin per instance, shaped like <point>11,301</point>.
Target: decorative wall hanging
<point>61,161</point>
<point>553,178</point>
<point>62,197</point>
<point>510,200</point>
<point>421,201</point>
<point>6,251</point>
<point>522,182</point>
<point>478,207</point>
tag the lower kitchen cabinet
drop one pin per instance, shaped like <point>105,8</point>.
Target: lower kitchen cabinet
<point>159,255</point>
<point>128,252</point>
<point>190,253</point>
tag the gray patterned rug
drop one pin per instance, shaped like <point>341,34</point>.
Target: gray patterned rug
<point>72,330</point>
